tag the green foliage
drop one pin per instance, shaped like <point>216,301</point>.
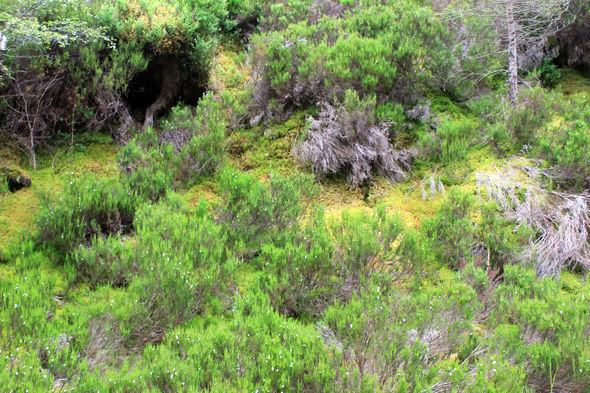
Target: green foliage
<point>450,231</point>
<point>495,235</point>
<point>102,77</point>
<point>323,263</point>
<point>204,153</point>
<point>443,104</point>
<point>299,269</point>
<point>187,147</point>
<point>32,27</point>
<point>255,210</point>
<point>81,209</point>
<point>548,72</point>
<point>567,145</point>
<point>127,288</point>
<point>390,113</point>
<point>526,120</point>
<point>26,301</point>
<point>149,182</point>
<point>107,262</point>
<point>374,48</point>
<point>551,325</point>
<point>363,245</point>
<point>396,331</point>
<point>450,143</point>
<point>184,260</point>
<point>454,136</point>
<point>166,27</point>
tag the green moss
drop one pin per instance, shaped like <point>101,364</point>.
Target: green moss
<point>573,82</point>
<point>17,209</point>
<point>443,105</point>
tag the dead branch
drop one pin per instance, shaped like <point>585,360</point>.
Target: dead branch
<point>561,220</point>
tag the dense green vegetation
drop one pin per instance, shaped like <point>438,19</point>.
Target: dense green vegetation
<point>291,196</point>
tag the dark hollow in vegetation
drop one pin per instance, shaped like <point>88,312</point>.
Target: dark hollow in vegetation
<point>17,183</point>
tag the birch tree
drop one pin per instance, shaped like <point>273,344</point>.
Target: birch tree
<point>491,33</point>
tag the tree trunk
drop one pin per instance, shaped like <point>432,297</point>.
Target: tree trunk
<point>32,149</point>
<point>512,54</point>
<point>169,89</point>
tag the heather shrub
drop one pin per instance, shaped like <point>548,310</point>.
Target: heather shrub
<point>256,212</point>
<point>167,28</point>
<point>567,146</point>
<point>203,136</point>
<point>495,236</point>
<point>454,139</point>
<point>397,341</point>
<point>363,248</point>
<point>184,261</point>
<point>145,166</point>
<point>526,120</point>
<point>542,328</point>
<point>548,73</point>
<point>299,269</point>
<point>450,231</point>
<point>27,298</point>
<point>187,147</point>
<point>320,263</point>
<point>363,50</point>
<point>73,214</point>
<point>108,261</point>
<point>253,348</point>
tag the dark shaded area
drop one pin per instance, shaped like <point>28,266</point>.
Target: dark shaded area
<point>145,89</point>
<point>246,28</point>
<point>15,184</point>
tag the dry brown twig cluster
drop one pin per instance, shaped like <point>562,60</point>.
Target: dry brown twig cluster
<point>561,220</point>
<point>338,141</point>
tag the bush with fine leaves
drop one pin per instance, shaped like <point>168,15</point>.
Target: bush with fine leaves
<point>257,211</point>
<point>393,49</point>
<point>80,209</point>
<point>188,147</point>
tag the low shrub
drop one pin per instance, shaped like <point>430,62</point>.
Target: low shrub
<point>454,136</point>
<point>299,269</point>
<point>187,147</point>
<point>322,263</point>
<point>548,72</point>
<point>108,261</point>
<point>184,261</point>
<point>363,248</point>
<point>568,148</point>
<point>205,131</point>
<point>395,342</point>
<point>81,209</point>
<point>526,120</point>
<point>256,212</point>
<point>450,231</point>
<point>543,329</point>
<point>145,167</point>
<point>392,49</point>
<point>346,139</point>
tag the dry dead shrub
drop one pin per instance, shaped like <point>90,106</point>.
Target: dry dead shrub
<point>561,220</point>
<point>346,139</point>
<point>105,343</point>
